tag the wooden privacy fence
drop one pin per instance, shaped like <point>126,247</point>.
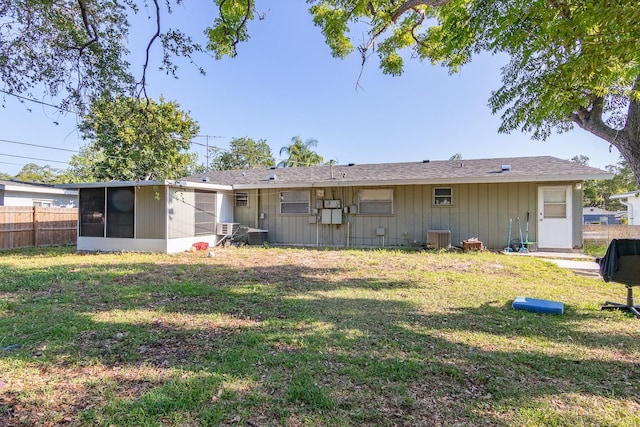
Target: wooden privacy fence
<point>27,226</point>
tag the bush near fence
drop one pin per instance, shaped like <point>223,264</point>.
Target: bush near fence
<point>603,233</point>
<point>34,226</point>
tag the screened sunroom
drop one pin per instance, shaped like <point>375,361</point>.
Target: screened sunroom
<point>146,216</point>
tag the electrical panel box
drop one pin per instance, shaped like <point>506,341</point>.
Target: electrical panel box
<point>332,204</point>
<point>332,216</point>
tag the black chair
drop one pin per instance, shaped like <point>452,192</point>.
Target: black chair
<point>621,264</point>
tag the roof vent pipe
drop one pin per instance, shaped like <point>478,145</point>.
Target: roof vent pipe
<point>506,168</point>
<point>273,177</point>
<point>204,179</point>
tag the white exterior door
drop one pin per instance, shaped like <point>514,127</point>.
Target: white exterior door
<point>554,217</point>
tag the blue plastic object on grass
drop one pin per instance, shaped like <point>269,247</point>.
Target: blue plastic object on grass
<point>538,305</point>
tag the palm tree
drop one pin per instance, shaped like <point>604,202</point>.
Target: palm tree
<point>300,153</point>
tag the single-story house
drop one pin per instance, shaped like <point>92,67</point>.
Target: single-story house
<point>593,215</point>
<point>374,205</point>
<point>632,201</point>
<point>17,193</point>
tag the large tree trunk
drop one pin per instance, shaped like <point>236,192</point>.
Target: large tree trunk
<point>626,140</point>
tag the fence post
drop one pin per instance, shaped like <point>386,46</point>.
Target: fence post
<point>36,225</point>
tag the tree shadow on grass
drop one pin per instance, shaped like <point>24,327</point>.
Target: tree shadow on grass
<point>278,345</point>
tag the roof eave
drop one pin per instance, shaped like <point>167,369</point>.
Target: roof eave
<point>170,183</point>
<point>501,178</point>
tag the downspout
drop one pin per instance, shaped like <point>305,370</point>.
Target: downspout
<point>629,212</point>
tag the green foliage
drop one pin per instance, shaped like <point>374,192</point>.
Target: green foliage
<point>596,193</point>
<point>300,153</point>
<point>244,153</point>
<point>34,173</point>
<point>82,166</point>
<point>570,63</point>
<point>4,175</point>
<point>230,27</point>
<point>133,139</point>
<point>66,48</point>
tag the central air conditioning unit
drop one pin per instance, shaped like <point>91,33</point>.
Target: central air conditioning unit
<point>439,239</point>
<point>227,228</point>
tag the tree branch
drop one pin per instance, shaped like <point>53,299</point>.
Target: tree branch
<point>143,80</point>
<point>590,119</point>
<point>632,124</point>
<point>238,29</point>
<point>411,4</point>
<point>90,27</point>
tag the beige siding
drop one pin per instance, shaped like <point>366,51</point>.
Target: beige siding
<point>181,205</point>
<point>150,212</point>
<point>478,210</point>
<point>248,215</point>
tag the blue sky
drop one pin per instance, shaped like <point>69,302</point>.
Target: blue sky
<point>284,83</point>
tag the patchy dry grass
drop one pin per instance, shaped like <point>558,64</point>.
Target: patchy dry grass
<point>268,336</point>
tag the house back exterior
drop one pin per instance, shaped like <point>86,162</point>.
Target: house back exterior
<point>404,204</point>
<point>364,206</point>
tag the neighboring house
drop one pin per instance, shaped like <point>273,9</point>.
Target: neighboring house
<point>592,215</point>
<point>376,205</point>
<point>16,193</point>
<point>632,201</point>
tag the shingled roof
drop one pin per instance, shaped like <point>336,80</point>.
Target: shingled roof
<point>522,169</point>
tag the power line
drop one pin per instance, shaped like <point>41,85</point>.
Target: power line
<point>33,158</point>
<point>38,102</point>
<point>39,146</point>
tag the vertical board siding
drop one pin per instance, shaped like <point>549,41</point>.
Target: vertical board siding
<point>181,213</point>
<point>480,210</point>
<point>23,227</point>
<point>150,213</point>
<point>248,215</point>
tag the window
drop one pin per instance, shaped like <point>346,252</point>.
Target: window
<point>205,213</point>
<point>442,196</point>
<point>92,212</point>
<point>43,203</point>
<point>120,212</point>
<point>294,202</point>
<point>555,203</point>
<point>242,200</point>
<point>375,202</point>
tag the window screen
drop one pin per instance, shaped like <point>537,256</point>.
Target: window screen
<point>91,212</point>
<point>120,212</point>
<point>442,196</point>
<point>205,213</point>
<point>294,202</point>
<point>242,200</point>
<point>376,202</point>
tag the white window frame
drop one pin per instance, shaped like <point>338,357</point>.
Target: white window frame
<point>371,200</point>
<point>295,202</point>
<point>244,197</point>
<point>443,200</point>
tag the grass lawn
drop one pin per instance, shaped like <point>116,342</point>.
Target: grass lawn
<point>269,336</point>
